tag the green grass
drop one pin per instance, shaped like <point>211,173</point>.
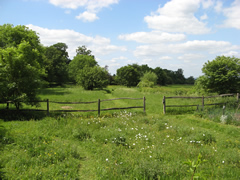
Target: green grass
<point>118,144</point>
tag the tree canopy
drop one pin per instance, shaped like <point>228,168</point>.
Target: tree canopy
<point>21,64</point>
<point>128,75</point>
<point>221,75</point>
<point>78,63</point>
<point>92,77</point>
<point>57,61</point>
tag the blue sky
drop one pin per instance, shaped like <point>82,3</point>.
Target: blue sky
<point>170,34</point>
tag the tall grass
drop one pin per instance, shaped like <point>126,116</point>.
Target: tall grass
<point>118,144</point>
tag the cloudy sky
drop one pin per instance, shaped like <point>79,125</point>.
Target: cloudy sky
<point>170,34</point>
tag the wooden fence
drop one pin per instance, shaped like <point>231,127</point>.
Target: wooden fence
<point>97,102</point>
<point>197,105</point>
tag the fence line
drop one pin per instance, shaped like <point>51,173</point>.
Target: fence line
<point>197,105</point>
<point>98,102</point>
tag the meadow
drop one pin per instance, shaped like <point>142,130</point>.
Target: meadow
<point>185,143</point>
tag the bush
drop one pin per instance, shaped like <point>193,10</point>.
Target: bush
<point>149,79</point>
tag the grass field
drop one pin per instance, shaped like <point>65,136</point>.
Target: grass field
<point>126,144</point>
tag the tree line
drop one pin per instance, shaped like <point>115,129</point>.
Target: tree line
<point>26,65</point>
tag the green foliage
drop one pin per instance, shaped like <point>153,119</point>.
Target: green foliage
<point>221,75</point>
<point>194,166</point>
<point>92,77</point>
<point>128,76</point>
<point>56,63</point>
<point>149,79</point>
<point>20,73</point>
<point>78,63</point>
<point>161,76</point>
<point>21,64</point>
<point>83,51</point>
<point>11,36</point>
<point>118,144</point>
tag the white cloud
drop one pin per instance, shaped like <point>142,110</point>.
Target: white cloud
<point>218,7</point>
<point>177,16</point>
<point>92,7</point>
<point>98,45</point>
<point>232,53</point>
<point>207,3</point>
<point>204,17</point>
<point>189,58</point>
<point>233,15</point>
<point>196,46</point>
<point>152,37</point>
<point>87,16</point>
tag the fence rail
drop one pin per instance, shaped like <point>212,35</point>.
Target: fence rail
<point>98,102</point>
<point>197,105</point>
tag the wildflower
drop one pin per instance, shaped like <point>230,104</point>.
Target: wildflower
<point>192,128</point>
<point>223,162</point>
<point>203,134</point>
<point>167,127</point>
<point>167,136</point>
<point>150,156</point>
<point>133,144</point>
<point>107,159</point>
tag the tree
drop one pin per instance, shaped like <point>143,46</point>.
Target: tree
<point>56,63</point>
<point>179,77</point>
<point>78,63</point>
<point>20,67</point>
<point>190,80</point>
<point>21,64</point>
<point>93,77</point>
<point>82,50</point>
<point>149,79</point>
<point>161,76</point>
<point>128,76</point>
<point>221,75</point>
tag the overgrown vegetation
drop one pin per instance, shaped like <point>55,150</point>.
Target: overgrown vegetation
<point>119,144</point>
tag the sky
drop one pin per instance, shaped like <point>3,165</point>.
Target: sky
<point>170,34</point>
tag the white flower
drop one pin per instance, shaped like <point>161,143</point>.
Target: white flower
<point>223,162</point>
<point>107,159</point>
<point>133,144</point>
<point>203,134</point>
<point>150,156</point>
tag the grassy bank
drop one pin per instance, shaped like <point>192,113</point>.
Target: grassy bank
<point>119,144</point>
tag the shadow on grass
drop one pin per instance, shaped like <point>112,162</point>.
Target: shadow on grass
<point>15,115</point>
<point>54,91</point>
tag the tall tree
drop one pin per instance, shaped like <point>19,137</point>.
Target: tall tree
<point>128,75</point>
<point>161,76</point>
<point>82,50</point>
<point>78,63</point>
<point>21,64</point>
<point>57,63</point>
<point>221,75</point>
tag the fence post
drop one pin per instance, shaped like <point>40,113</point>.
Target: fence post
<point>7,104</point>
<point>144,104</point>
<point>99,107</point>
<point>203,103</point>
<point>47,107</point>
<point>164,105</point>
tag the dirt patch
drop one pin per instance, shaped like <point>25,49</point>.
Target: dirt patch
<point>66,107</point>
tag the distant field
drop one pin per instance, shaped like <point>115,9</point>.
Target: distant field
<point>120,144</point>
